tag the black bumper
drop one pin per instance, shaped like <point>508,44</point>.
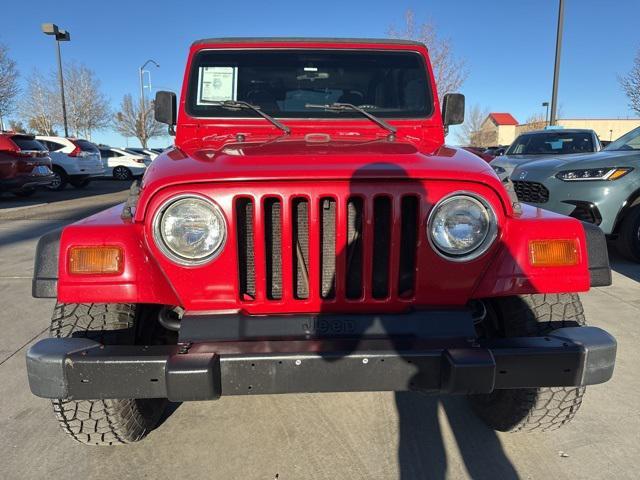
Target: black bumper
<point>77,368</point>
<point>21,182</point>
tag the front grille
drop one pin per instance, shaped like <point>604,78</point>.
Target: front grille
<point>327,248</point>
<point>531,192</point>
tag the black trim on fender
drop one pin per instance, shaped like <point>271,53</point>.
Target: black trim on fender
<point>599,268</point>
<point>45,270</point>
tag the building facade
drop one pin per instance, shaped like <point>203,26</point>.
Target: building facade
<point>503,128</point>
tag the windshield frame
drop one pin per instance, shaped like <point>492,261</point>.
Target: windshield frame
<point>623,140</point>
<point>191,86</point>
<point>551,133</point>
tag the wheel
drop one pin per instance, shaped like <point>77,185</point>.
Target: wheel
<point>530,409</point>
<point>60,179</point>
<point>106,422</point>
<point>80,183</point>
<point>628,242</point>
<point>122,173</point>
<point>25,192</point>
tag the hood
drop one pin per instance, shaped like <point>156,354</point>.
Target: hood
<point>292,159</point>
<point>516,160</point>
<point>599,159</point>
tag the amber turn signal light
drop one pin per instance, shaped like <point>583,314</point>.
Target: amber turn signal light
<point>96,260</point>
<point>553,253</point>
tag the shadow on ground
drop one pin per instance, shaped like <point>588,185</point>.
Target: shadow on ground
<point>623,266</point>
<point>422,453</point>
<point>42,195</point>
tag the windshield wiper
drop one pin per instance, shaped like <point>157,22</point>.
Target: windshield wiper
<point>236,104</point>
<point>341,107</point>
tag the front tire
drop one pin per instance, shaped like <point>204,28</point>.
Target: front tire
<point>530,409</point>
<point>628,242</point>
<point>104,422</point>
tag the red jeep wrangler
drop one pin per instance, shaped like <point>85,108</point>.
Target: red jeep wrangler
<point>310,232</point>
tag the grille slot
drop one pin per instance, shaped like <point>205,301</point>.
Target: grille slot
<point>300,252</point>
<point>328,248</point>
<point>273,247</point>
<point>408,245</point>
<point>531,192</point>
<point>354,248</point>
<point>246,260</point>
<point>381,247</point>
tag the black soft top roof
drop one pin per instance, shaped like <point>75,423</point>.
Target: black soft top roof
<point>389,41</point>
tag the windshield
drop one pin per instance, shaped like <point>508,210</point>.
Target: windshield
<point>283,82</point>
<point>552,143</point>
<point>629,141</point>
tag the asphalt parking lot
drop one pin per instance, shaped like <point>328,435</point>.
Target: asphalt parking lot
<point>329,436</point>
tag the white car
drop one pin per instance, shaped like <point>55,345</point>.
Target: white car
<point>73,161</point>
<point>123,165</point>
<point>146,152</point>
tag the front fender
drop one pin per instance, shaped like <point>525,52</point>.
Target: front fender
<point>511,273</point>
<point>141,281</point>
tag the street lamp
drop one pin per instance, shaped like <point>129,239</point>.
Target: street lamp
<point>556,69</point>
<point>140,71</point>
<point>546,115</point>
<point>61,36</point>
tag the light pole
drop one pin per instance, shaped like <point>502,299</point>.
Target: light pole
<point>61,36</point>
<point>142,81</point>
<point>556,69</point>
<point>546,115</point>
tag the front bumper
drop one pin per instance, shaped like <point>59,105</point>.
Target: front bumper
<point>79,368</point>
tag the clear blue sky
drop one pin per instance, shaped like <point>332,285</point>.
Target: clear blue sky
<point>508,45</point>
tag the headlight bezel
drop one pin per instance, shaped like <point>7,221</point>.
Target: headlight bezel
<point>488,240</point>
<point>171,254</point>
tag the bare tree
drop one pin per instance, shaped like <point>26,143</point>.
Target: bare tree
<point>450,72</point>
<point>17,126</point>
<point>469,132</point>
<point>87,107</point>
<point>537,121</point>
<point>9,88</point>
<point>40,104</point>
<point>631,84</point>
<point>134,121</point>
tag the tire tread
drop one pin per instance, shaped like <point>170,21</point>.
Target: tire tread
<point>533,409</point>
<point>99,422</point>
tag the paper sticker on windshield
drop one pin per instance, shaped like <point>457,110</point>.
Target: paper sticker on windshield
<point>217,84</point>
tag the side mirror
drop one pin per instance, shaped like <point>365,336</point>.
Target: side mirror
<point>165,108</point>
<point>453,109</point>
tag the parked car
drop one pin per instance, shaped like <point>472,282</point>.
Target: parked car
<point>545,143</point>
<point>24,164</point>
<point>480,153</point>
<point>121,164</point>
<point>319,245</point>
<point>496,151</point>
<point>75,161</point>
<point>145,152</point>
<point>601,188</point>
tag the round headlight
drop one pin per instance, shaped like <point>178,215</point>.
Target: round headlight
<point>461,227</point>
<point>190,230</point>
